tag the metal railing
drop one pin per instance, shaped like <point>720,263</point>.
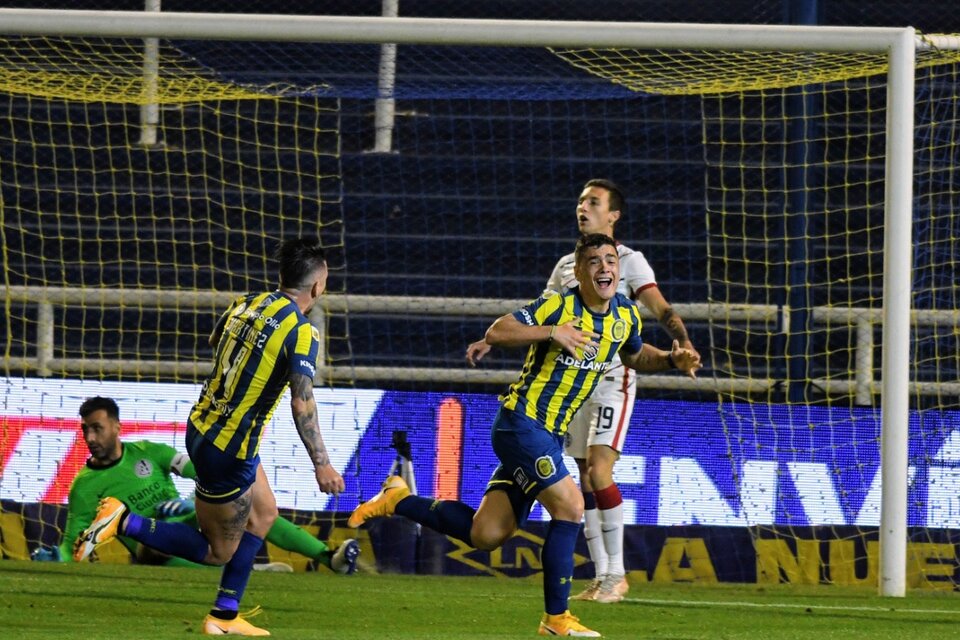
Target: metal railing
<point>862,385</point>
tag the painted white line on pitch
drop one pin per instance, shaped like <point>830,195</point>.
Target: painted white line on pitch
<point>774,605</point>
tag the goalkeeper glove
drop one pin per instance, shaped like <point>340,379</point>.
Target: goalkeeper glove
<point>43,553</point>
<point>172,508</point>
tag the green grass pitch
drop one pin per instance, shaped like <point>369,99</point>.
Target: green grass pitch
<point>90,601</point>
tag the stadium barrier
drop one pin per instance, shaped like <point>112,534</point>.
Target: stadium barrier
<point>864,321</point>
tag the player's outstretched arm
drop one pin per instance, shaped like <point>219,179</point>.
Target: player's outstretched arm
<point>669,319</point>
<point>304,408</point>
<point>650,359</point>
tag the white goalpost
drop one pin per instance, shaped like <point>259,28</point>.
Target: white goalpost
<point>898,44</point>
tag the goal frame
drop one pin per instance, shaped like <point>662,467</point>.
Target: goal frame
<point>899,44</point>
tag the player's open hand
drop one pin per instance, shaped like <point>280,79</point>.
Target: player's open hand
<point>569,336</point>
<point>476,351</point>
<point>686,360</point>
<point>329,479</point>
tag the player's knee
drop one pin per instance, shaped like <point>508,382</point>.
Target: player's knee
<point>216,560</point>
<point>566,505</point>
<point>600,472</point>
<point>487,537</point>
<point>260,522</point>
<point>220,552</point>
<point>570,512</point>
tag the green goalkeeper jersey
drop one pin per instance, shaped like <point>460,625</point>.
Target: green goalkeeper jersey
<point>140,478</point>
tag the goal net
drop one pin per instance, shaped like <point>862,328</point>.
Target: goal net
<point>142,190</point>
<point>794,149</point>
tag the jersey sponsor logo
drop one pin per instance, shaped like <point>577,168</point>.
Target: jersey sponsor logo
<point>306,364</point>
<point>143,468</point>
<point>576,363</point>
<point>147,497</point>
<point>619,330</point>
<point>255,315</point>
<point>545,467</point>
<point>527,317</point>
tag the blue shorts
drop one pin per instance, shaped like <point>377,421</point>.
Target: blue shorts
<point>531,459</point>
<point>221,477</point>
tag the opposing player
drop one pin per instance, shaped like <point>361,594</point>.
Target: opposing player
<point>264,342</point>
<point>571,339</point>
<point>140,474</point>
<point>598,431</point>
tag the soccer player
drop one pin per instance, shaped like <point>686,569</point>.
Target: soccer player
<point>264,342</point>
<point>598,431</point>
<point>139,473</point>
<point>571,339</point>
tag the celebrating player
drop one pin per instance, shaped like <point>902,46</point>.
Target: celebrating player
<point>596,434</point>
<point>264,342</point>
<point>571,339</point>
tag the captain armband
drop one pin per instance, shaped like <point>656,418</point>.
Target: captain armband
<point>179,462</point>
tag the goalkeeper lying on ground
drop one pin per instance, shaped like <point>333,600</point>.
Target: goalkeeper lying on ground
<point>139,474</point>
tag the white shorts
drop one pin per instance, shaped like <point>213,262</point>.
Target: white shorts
<point>605,417</point>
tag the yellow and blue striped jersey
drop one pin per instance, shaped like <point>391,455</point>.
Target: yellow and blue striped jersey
<point>263,338</point>
<point>553,384</point>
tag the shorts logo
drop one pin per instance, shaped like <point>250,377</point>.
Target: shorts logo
<point>143,468</point>
<point>545,467</point>
<point>619,330</point>
<point>522,480</point>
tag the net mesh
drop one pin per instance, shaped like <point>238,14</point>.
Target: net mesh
<point>794,150</point>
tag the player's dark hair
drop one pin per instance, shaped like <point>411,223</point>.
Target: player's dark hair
<point>592,241</point>
<point>299,259</point>
<point>617,199</point>
<point>98,403</point>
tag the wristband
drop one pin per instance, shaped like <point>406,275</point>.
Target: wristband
<point>553,332</point>
<point>671,360</point>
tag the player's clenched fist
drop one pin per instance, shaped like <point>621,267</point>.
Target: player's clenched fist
<point>329,480</point>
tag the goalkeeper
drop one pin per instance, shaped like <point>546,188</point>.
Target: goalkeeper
<point>139,474</point>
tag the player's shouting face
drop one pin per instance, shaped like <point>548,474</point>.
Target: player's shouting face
<point>598,272</point>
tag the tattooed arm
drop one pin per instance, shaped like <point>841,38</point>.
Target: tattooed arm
<point>669,319</point>
<point>304,408</point>
<point>650,358</point>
